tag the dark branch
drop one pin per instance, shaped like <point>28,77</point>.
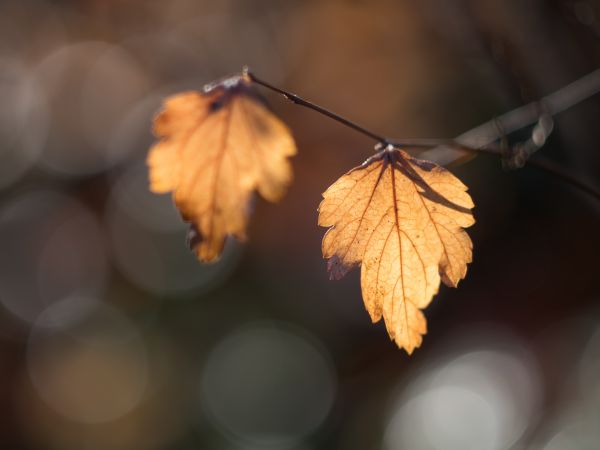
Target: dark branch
<point>483,138</point>
<point>300,101</point>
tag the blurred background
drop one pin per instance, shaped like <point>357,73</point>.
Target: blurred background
<point>112,335</point>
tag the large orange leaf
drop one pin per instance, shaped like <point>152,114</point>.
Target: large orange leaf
<point>401,219</point>
<point>216,148</point>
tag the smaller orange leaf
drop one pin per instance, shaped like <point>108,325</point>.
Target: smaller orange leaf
<point>401,219</point>
<point>215,148</point>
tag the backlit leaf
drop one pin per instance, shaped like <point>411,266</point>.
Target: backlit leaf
<point>401,219</point>
<point>215,148</point>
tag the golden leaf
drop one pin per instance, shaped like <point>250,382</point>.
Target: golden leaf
<point>216,147</point>
<point>401,219</point>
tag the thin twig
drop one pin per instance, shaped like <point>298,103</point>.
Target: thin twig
<point>300,101</point>
<point>482,138</point>
<point>483,135</point>
<point>410,143</point>
<point>559,101</point>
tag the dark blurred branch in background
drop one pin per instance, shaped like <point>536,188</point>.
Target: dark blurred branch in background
<point>489,137</point>
<point>537,111</point>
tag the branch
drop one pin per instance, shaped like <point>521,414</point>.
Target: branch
<point>483,138</point>
<point>300,101</point>
<point>559,101</point>
<point>487,133</point>
<point>411,143</point>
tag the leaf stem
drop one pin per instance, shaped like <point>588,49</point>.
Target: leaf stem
<point>482,139</point>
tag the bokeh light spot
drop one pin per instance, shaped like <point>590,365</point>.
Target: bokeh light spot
<point>268,384</point>
<point>53,247</point>
<point>92,370</point>
<point>148,241</point>
<point>483,399</point>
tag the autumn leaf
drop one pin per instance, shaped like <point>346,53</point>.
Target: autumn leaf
<point>401,219</point>
<point>215,148</point>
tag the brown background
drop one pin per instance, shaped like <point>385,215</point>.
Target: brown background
<point>113,337</point>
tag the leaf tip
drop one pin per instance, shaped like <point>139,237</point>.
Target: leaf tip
<point>203,250</point>
<point>336,268</point>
